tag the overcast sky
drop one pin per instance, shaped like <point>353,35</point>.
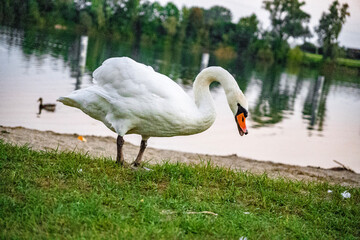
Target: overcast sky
<point>349,36</point>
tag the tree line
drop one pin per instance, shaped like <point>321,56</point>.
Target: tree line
<point>209,29</point>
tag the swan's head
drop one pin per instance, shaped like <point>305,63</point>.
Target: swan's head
<point>240,119</point>
<point>236,100</point>
<point>239,107</point>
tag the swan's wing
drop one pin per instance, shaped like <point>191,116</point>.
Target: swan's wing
<point>98,104</point>
<point>129,96</point>
<point>129,78</point>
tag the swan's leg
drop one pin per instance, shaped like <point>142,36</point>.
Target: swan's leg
<point>120,156</point>
<point>143,145</point>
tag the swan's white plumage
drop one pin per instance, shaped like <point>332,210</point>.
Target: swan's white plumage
<point>130,97</point>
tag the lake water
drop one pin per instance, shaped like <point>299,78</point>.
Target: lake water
<point>294,117</point>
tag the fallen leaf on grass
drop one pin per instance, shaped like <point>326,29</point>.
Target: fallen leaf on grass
<point>81,138</point>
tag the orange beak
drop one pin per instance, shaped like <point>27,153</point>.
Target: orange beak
<point>240,120</point>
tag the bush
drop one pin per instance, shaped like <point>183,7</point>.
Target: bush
<point>265,54</point>
<point>295,55</point>
<point>280,49</point>
<point>225,53</point>
<point>85,20</point>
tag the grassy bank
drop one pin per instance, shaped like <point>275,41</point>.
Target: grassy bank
<point>69,195</point>
<point>312,59</point>
<point>348,62</point>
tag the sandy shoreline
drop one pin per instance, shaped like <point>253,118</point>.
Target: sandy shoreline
<point>105,146</point>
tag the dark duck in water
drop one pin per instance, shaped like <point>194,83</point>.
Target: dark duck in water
<point>48,106</point>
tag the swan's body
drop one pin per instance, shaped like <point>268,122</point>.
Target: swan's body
<point>129,97</point>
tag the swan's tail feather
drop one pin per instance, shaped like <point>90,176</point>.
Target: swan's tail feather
<point>80,98</point>
<point>91,101</point>
<point>67,100</point>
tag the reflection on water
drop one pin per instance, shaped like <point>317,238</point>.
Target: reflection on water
<point>204,61</point>
<point>296,116</point>
<point>314,99</point>
<point>275,98</point>
<point>79,50</point>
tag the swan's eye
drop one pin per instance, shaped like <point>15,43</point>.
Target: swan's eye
<point>242,110</point>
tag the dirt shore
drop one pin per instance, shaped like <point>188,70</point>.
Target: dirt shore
<point>105,146</point>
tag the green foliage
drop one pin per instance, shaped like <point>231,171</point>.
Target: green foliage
<point>295,56</point>
<point>196,27</point>
<point>170,10</point>
<point>96,10</point>
<point>171,15</point>
<point>151,25</point>
<point>225,53</point>
<point>262,51</point>
<point>34,14</point>
<point>308,47</point>
<point>280,49</point>
<point>66,12</point>
<point>137,20</point>
<point>207,29</point>
<point>14,12</point>
<point>348,62</point>
<point>223,33</point>
<point>287,18</point>
<point>316,59</point>
<point>50,194</point>
<point>85,20</point>
<point>170,25</point>
<point>246,33</point>
<point>221,30</point>
<point>217,14</point>
<point>265,55</point>
<point>329,28</point>
<point>311,59</point>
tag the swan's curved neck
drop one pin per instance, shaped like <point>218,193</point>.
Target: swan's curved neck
<point>203,98</point>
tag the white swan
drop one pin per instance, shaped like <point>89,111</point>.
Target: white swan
<point>130,97</point>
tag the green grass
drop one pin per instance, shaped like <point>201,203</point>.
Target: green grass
<point>348,62</point>
<point>313,56</point>
<point>312,59</point>
<point>316,59</point>
<point>65,195</point>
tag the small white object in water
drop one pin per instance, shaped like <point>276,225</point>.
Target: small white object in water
<point>329,191</point>
<point>346,194</point>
